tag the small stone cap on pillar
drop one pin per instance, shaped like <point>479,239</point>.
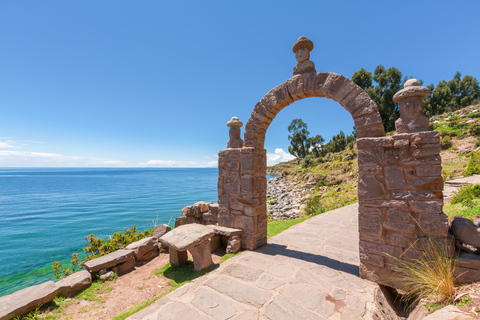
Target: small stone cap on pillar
<point>411,89</point>
<point>235,141</point>
<point>410,98</point>
<point>234,122</point>
<point>302,49</point>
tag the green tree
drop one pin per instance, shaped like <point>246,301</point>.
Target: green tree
<point>315,144</point>
<point>298,138</point>
<point>301,144</point>
<point>452,95</point>
<point>389,81</point>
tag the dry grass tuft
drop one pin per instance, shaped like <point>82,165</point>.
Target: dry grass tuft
<point>432,276</point>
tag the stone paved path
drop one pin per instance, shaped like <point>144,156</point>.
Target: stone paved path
<point>309,271</point>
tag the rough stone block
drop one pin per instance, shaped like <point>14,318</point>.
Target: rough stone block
<point>232,165</point>
<point>246,163</point>
<point>399,226</point>
<point>375,130</point>
<point>395,239</point>
<point>426,206</point>
<point>74,283</point>
<point>379,142</point>
<point>187,211</point>
<point>232,187</point>
<point>370,223</point>
<point>187,236</point>
<point>213,208</point>
<point>380,249</point>
<point>370,187</point>
<point>125,267</point>
<point>201,255</point>
<point>234,244</point>
<point>431,171</point>
<point>426,183</point>
<point>367,120</point>
<point>346,88</point>
<point>372,238</point>
<point>358,101</point>
<point>372,156</point>
<point>320,79</point>
<point>108,261</point>
<point>386,203</point>
<point>394,177</point>
<point>339,82</point>
<point>160,230</point>
<point>372,169</point>
<point>401,143</point>
<point>398,215</point>
<point>26,300</point>
<point>141,247</point>
<point>177,258</point>
<point>426,152</point>
<point>371,258</point>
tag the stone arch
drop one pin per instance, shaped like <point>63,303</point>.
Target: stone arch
<point>399,177</point>
<point>354,99</point>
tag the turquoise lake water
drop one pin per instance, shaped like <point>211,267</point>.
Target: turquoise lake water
<point>46,213</point>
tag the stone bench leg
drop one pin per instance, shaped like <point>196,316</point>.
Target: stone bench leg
<point>202,257</point>
<point>233,244</point>
<point>177,258</point>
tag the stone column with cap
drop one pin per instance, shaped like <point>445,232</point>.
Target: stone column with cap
<point>410,98</point>
<point>235,141</point>
<point>302,49</point>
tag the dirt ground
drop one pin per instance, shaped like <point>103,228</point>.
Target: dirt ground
<point>126,291</point>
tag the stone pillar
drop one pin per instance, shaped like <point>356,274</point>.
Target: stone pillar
<point>242,191</point>
<point>400,192</point>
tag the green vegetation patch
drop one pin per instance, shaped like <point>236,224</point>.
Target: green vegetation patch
<point>275,227</point>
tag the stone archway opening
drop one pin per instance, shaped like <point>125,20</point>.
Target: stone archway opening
<point>399,177</point>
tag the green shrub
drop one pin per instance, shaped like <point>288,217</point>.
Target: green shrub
<point>315,206</point>
<point>477,144</point>
<point>98,247</point>
<point>461,135</point>
<point>473,166</point>
<point>308,161</point>
<point>473,115</point>
<point>445,143</point>
<point>475,130</point>
<point>322,183</point>
<point>466,194</point>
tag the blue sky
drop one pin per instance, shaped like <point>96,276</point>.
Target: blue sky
<point>153,83</point>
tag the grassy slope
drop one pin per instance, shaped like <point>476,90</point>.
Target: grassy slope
<point>335,175</point>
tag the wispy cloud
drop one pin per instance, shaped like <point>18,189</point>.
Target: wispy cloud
<point>7,144</point>
<point>13,158</point>
<point>179,164</point>
<point>278,156</point>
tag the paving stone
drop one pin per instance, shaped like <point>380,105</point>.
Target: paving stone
<point>239,291</point>
<point>176,311</point>
<point>282,308</point>
<point>283,270</point>
<point>243,272</point>
<point>311,298</point>
<point>152,312</point>
<point>215,305</point>
<point>268,282</point>
<point>307,277</point>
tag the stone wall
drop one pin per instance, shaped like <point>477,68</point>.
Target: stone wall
<point>242,192</point>
<point>400,200</point>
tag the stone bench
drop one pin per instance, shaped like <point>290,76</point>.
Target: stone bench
<point>228,237</point>
<point>192,237</point>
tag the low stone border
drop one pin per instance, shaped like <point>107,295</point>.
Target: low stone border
<point>120,261</point>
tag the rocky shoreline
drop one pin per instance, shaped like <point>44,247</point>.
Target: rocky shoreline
<point>286,197</point>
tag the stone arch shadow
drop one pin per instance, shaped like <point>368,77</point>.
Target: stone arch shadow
<point>399,179</point>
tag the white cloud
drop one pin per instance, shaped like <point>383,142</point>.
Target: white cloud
<point>11,158</point>
<point>278,156</point>
<point>179,164</point>
<point>7,144</point>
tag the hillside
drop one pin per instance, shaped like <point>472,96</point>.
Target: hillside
<point>329,182</point>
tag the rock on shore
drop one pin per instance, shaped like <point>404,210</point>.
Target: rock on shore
<point>286,197</point>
